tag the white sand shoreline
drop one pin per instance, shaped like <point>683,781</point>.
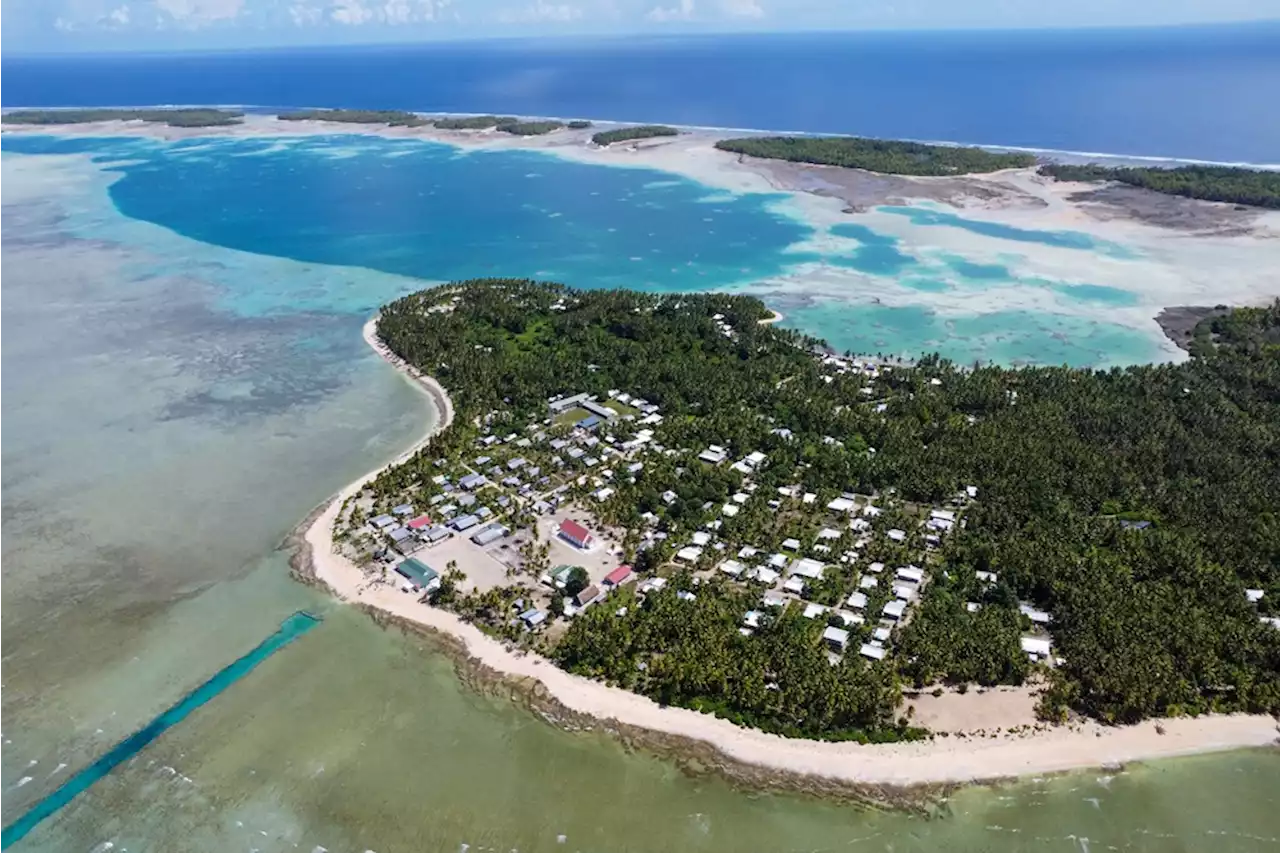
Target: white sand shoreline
<point>942,760</point>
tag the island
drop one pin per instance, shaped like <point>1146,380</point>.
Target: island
<point>887,156</point>
<point>625,134</point>
<point>392,118</point>
<point>1251,187</point>
<point>530,128</point>
<point>816,543</point>
<point>474,122</point>
<point>177,117</point>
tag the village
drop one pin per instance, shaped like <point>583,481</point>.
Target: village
<point>524,510</point>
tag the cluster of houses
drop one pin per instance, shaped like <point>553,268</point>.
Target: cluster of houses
<point>538,468</point>
<point>789,573</point>
<point>456,510</point>
<point>558,578</point>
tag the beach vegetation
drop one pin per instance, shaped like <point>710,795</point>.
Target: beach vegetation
<point>475,122</point>
<point>624,134</point>
<point>1252,187</point>
<point>394,118</point>
<point>192,117</point>
<point>530,128</point>
<point>889,156</point>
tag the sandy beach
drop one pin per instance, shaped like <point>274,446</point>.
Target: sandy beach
<point>971,751</point>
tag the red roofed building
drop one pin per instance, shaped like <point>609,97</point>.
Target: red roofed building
<point>419,522</point>
<point>618,576</point>
<point>575,534</point>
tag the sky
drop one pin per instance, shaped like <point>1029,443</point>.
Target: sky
<point>72,25</point>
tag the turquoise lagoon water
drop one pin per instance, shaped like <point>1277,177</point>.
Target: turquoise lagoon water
<point>1001,231</point>
<point>427,211</point>
<point>1003,337</point>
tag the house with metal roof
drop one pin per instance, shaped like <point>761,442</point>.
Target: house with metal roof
<point>419,574</point>
<point>489,534</point>
<point>464,522</point>
<point>837,638</point>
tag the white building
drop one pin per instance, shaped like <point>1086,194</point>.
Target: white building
<point>837,638</point>
<point>732,568</point>
<point>764,575</point>
<point>807,568</point>
<point>715,454</point>
<point>913,574</point>
<point>1037,648</point>
<point>872,651</point>
<point>1040,617</point>
<point>813,611</point>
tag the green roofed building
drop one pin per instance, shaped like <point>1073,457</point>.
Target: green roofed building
<point>418,573</point>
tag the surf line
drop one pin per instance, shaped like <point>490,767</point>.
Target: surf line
<point>290,629</point>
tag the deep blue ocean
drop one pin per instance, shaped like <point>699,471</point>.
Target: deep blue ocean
<point>1205,93</point>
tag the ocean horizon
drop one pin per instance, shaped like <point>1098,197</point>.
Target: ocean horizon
<point>1162,95</point>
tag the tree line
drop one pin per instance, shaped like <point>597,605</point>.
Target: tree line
<point>876,155</point>
<point>394,118</point>
<point>1253,187</point>
<point>623,134</point>
<point>197,117</point>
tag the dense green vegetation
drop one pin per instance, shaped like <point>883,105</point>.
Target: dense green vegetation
<point>199,117</point>
<point>530,128</point>
<point>395,118</point>
<point>579,124</point>
<point>876,155</point>
<point>1149,622</point>
<point>1211,183</point>
<point>474,122</point>
<point>622,134</point>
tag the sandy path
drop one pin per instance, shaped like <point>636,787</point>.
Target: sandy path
<point>949,759</point>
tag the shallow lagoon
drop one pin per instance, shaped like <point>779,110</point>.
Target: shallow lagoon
<point>176,406</point>
<point>430,211</point>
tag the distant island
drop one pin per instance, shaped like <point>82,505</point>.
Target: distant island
<point>196,117</point>
<point>530,128</point>
<point>623,134</point>
<point>1253,187</point>
<point>793,545</point>
<point>394,118</point>
<point>473,122</point>
<point>876,155</point>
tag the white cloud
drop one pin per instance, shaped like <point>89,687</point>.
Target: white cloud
<point>195,13</point>
<point>350,12</point>
<point>539,11</point>
<point>741,8</point>
<point>661,14</point>
<point>304,16</point>
<point>120,15</point>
